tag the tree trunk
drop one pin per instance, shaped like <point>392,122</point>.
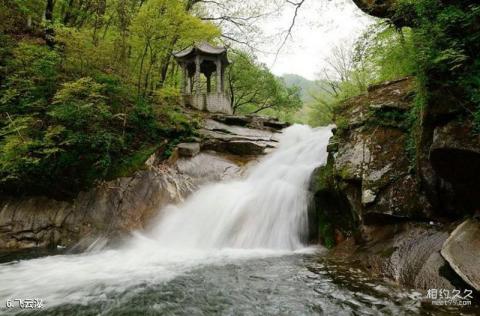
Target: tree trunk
<point>49,31</point>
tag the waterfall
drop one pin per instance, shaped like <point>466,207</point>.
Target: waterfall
<point>266,209</point>
<point>262,214</point>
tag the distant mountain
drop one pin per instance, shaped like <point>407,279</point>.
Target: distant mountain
<point>307,87</point>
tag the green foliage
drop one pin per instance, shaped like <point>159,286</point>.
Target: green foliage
<point>385,53</point>
<point>97,104</point>
<point>254,89</point>
<point>390,118</point>
<point>447,40</point>
<point>17,16</point>
<point>127,165</point>
<point>83,136</point>
<point>321,108</point>
<point>326,233</point>
<point>382,53</point>
<point>413,120</point>
<point>30,80</point>
<point>476,122</point>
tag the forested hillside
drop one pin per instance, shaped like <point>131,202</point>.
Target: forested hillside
<point>86,89</point>
<point>89,89</point>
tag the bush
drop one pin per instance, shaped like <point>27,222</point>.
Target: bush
<point>31,75</point>
<point>446,35</point>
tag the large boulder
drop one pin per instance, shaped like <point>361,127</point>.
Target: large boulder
<point>188,149</point>
<point>251,121</point>
<point>462,251</point>
<point>236,140</point>
<point>110,209</point>
<point>408,253</point>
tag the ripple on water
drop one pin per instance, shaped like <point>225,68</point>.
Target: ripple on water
<point>299,284</point>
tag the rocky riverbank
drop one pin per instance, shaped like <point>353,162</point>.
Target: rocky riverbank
<point>385,205</point>
<point>115,208</point>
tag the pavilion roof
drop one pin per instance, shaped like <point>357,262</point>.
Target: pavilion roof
<point>202,47</point>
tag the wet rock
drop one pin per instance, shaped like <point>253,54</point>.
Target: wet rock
<point>237,147</point>
<point>188,149</point>
<point>413,249</point>
<point>111,209</point>
<point>407,253</point>
<point>238,132</point>
<point>275,124</point>
<point>330,215</point>
<point>462,249</point>
<point>433,274</point>
<point>400,200</point>
<point>393,97</point>
<point>208,167</point>
<point>371,163</point>
<point>352,155</point>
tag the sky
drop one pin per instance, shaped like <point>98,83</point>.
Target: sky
<point>320,26</point>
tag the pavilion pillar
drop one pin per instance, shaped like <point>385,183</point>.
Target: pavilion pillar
<point>184,78</point>
<point>209,83</point>
<point>222,78</point>
<point>188,79</point>
<point>218,73</point>
<point>197,75</point>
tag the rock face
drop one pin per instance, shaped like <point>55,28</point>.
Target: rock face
<point>114,208</point>
<point>374,202</point>
<point>369,161</point>
<point>462,250</point>
<point>111,208</point>
<point>378,8</point>
<point>385,9</point>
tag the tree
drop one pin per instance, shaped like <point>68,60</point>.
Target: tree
<point>159,25</point>
<point>80,83</point>
<point>382,53</point>
<point>238,20</point>
<point>254,89</point>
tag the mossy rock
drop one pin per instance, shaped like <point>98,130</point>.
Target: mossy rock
<point>330,210</point>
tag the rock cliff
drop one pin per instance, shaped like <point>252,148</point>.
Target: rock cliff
<point>376,204</point>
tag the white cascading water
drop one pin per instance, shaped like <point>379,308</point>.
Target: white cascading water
<point>263,214</point>
<point>266,209</point>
